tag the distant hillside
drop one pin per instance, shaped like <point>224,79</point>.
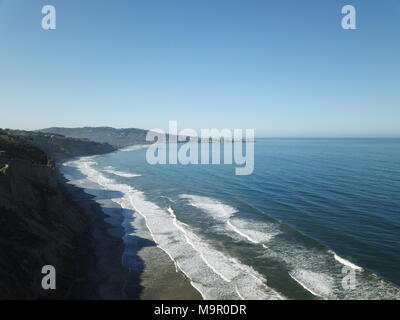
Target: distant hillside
<point>118,138</point>
<point>55,146</point>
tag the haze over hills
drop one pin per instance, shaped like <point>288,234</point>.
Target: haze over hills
<point>118,138</point>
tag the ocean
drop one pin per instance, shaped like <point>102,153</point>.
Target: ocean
<point>317,219</point>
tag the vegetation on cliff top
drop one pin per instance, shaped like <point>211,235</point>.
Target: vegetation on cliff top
<point>40,147</point>
<point>118,138</point>
<point>18,147</point>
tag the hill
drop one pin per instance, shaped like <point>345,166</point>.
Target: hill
<point>118,138</point>
<point>25,144</point>
<point>39,223</point>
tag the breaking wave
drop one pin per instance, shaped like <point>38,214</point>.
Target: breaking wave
<point>214,274</point>
<point>112,170</point>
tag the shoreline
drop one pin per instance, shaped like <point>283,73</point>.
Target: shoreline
<point>105,271</point>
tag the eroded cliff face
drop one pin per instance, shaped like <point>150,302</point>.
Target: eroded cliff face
<point>38,226</point>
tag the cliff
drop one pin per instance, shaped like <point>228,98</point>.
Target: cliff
<point>118,138</point>
<point>57,146</point>
<point>39,224</point>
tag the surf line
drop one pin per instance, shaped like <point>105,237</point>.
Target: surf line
<point>241,233</point>
<point>244,235</point>
<point>177,224</point>
<point>159,246</point>
<point>306,287</point>
<point>345,262</point>
<point>88,167</point>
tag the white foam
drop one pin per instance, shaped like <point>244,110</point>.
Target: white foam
<point>345,262</point>
<point>213,207</point>
<point>317,272</point>
<point>253,231</point>
<point>112,170</point>
<point>214,274</point>
<point>244,235</point>
<point>229,269</point>
<point>134,147</point>
<point>318,284</point>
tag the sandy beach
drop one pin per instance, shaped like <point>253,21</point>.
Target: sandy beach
<point>105,271</point>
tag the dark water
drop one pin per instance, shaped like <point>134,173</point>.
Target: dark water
<point>318,218</point>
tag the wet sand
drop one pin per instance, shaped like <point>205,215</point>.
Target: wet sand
<point>105,271</point>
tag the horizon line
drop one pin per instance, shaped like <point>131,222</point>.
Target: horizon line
<point>256,137</point>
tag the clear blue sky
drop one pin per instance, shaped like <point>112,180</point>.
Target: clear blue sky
<point>284,68</point>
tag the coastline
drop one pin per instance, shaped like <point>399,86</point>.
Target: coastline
<point>105,271</point>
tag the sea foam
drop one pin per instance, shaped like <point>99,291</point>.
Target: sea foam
<point>318,284</point>
<point>134,147</point>
<point>213,207</point>
<point>214,274</point>
<point>345,262</point>
<point>112,170</point>
<point>254,231</point>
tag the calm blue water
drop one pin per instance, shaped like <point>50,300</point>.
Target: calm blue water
<point>318,218</point>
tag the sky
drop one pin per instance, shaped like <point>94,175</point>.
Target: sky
<point>284,68</point>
